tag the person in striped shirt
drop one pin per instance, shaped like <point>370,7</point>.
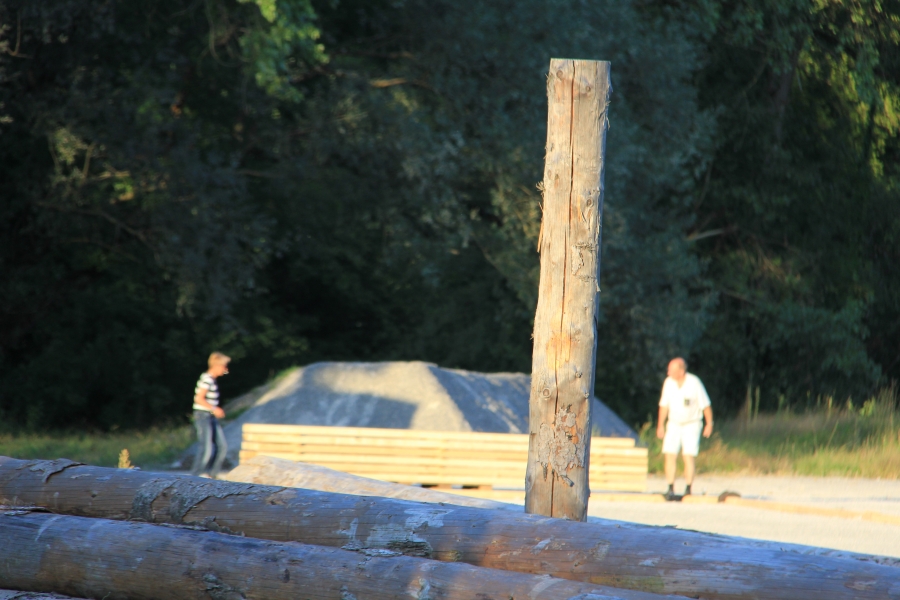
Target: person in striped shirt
<point>211,446</point>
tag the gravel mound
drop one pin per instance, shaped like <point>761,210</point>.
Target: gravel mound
<point>398,395</point>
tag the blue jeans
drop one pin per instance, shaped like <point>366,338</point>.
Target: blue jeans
<point>211,446</point>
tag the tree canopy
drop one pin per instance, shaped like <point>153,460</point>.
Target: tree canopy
<point>298,180</point>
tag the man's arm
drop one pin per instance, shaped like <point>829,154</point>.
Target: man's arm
<point>661,424</point>
<point>707,415</point>
<point>200,399</point>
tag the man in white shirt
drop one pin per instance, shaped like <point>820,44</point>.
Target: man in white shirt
<point>682,406</point>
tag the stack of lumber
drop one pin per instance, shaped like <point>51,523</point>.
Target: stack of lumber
<point>232,540</point>
<point>436,458</point>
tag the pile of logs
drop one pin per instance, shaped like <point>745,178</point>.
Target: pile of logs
<point>92,532</point>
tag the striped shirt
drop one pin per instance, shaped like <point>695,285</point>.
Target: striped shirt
<point>207,382</point>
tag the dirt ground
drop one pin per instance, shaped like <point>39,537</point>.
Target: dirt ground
<point>855,535</point>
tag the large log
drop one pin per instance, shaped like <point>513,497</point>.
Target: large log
<point>99,558</point>
<point>565,344</point>
<point>20,595</point>
<point>278,471</point>
<point>655,559</point>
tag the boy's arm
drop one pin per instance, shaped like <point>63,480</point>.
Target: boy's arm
<point>200,399</point>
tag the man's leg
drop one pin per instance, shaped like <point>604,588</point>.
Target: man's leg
<point>691,447</point>
<point>671,468</point>
<point>204,443</point>
<point>671,447</point>
<point>688,469</point>
<point>221,448</point>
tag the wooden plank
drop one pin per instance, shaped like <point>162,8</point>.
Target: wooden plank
<point>333,434</point>
<point>353,445</point>
<point>633,556</point>
<point>381,451</point>
<point>375,432</point>
<point>43,552</point>
<point>564,357</point>
<point>386,441</point>
<point>618,457</point>
<point>449,462</point>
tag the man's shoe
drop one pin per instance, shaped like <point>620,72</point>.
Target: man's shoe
<point>687,490</point>
<point>669,496</point>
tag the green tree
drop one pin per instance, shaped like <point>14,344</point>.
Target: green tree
<point>130,228</point>
<point>797,207</point>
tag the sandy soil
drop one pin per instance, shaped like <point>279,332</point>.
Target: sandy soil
<point>826,532</point>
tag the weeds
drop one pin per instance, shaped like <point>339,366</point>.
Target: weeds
<point>829,439</point>
<point>153,448</point>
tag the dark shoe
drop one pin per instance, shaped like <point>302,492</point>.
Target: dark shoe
<point>687,490</point>
<point>669,496</point>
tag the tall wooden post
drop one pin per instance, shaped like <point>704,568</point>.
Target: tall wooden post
<point>565,345</point>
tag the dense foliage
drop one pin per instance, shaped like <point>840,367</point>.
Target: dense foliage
<point>301,180</point>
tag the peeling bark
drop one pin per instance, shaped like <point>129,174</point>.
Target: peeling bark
<point>658,559</point>
<point>100,558</point>
<point>19,595</point>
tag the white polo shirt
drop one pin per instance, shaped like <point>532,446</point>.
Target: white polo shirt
<point>685,403</point>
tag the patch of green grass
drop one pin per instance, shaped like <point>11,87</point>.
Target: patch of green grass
<point>149,449</point>
<point>828,441</point>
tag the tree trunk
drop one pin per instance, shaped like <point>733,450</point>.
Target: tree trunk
<point>99,558</point>
<point>655,559</point>
<point>278,471</point>
<point>565,345</point>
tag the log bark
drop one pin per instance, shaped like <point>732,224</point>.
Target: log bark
<point>565,345</point>
<point>20,595</point>
<point>653,559</point>
<point>278,471</point>
<point>99,558</point>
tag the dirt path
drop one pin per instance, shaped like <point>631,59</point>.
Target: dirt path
<point>827,532</point>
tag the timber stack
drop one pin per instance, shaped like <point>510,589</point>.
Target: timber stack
<point>94,532</point>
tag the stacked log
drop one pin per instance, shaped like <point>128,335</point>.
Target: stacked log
<point>20,595</point>
<point>659,560</point>
<point>100,558</point>
<point>288,473</point>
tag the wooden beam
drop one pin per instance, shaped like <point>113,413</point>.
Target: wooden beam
<point>99,558</point>
<point>656,559</point>
<point>276,471</point>
<point>565,345</point>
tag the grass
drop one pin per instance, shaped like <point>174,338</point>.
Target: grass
<point>845,441</point>
<point>149,449</point>
<point>154,448</point>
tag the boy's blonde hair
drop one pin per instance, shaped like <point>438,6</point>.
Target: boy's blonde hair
<point>217,358</point>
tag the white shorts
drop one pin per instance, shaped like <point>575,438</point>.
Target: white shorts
<point>684,437</point>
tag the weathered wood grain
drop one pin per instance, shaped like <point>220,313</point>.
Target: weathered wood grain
<point>99,558</point>
<point>656,559</point>
<point>562,372</point>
